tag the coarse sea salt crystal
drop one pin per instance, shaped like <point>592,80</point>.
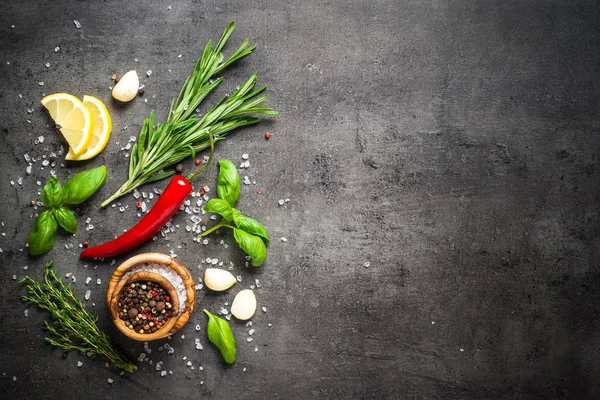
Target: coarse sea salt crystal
<point>88,293</point>
<point>110,380</point>
<point>79,364</point>
<point>77,24</point>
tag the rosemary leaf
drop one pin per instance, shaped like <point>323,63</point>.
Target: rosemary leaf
<point>183,134</point>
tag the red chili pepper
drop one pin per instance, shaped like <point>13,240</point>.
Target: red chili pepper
<point>163,210</point>
<point>167,204</point>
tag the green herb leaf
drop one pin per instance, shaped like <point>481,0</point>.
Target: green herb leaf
<point>220,207</point>
<point>253,246</point>
<point>228,184</point>
<point>52,193</point>
<point>65,219</point>
<point>83,185</point>
<point>252,226</point>
<point>71,327</point>
<point>43,236</point>
<point>219,333</point>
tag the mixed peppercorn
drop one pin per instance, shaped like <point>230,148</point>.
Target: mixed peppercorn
<point>144,306</point>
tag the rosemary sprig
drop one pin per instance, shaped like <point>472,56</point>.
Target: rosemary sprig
<point>72,327</point>
<point>184,133</point>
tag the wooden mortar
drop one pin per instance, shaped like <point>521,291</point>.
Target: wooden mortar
<point>174,323</point>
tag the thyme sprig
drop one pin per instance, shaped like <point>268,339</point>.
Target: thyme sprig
<point>71,327</point>
<point>184,133</point>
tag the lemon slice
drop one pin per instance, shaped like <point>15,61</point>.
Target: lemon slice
<point>100,132</point>
<point>72,118</point>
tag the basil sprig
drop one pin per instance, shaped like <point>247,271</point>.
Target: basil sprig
<point>220,334</point>
<point>249,234</point>
<point>76,190</point>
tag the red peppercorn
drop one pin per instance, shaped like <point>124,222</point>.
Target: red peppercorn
<point>259,191</point>
<point>138,204</point>
<point>86,243</point>
<point>198,162</point>
<point>268,135</point>
<point>167,298</point>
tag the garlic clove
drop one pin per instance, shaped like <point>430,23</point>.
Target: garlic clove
<point>127,88</point>
<point>218,279</point>
<point>244,305</point>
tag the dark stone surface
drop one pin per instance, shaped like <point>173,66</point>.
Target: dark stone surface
<point>452,145</point>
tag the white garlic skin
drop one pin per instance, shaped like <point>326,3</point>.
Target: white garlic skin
<point>127,88</point>
<point>244,305</point>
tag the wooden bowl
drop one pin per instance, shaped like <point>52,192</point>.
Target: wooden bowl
<point>145,276</point>
<point>118,281</point>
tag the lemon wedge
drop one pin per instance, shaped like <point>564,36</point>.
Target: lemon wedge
<point>102,127</point>
<point>72,118</point>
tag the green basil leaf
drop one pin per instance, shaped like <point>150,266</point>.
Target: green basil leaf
<point>43,236</point>
<point>219,333</point>
<point>253,246</point>
<point>220,207</point>
<point>52,193</point>
<point>66,219</point>
<point>252,226</point>
<point>83,185</point>
<point>228,183</point>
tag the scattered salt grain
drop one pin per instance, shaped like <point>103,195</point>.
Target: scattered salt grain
<point>26,313</point>
<point>41,83</point>
<point>41,138</point>
<point>283,239</point>
<point>14,378</point>
<point>88,293</point>
<point>110,380</point>
<point>251,331</point>
<point>249,339</point>
<point>281,202</point>
<point>77,24</point>
<point>163,373</point>
<point>256,349</point>
<point>79,364</point>
<point>149,72</point>
<point>98,281</point>
<point>264,309</point>
<point>47,65</point>
<point>245,156</point>
<point>14,277</point>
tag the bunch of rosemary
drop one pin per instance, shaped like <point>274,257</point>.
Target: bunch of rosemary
<point>72,326</point>
<point>184,133</point>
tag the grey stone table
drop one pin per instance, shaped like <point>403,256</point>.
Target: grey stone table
<point>441,164</point>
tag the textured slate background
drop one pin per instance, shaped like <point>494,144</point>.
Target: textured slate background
<point>451,145</point>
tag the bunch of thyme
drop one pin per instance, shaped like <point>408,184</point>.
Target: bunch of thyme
<point>72,327</point>
<point>184,133</point>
